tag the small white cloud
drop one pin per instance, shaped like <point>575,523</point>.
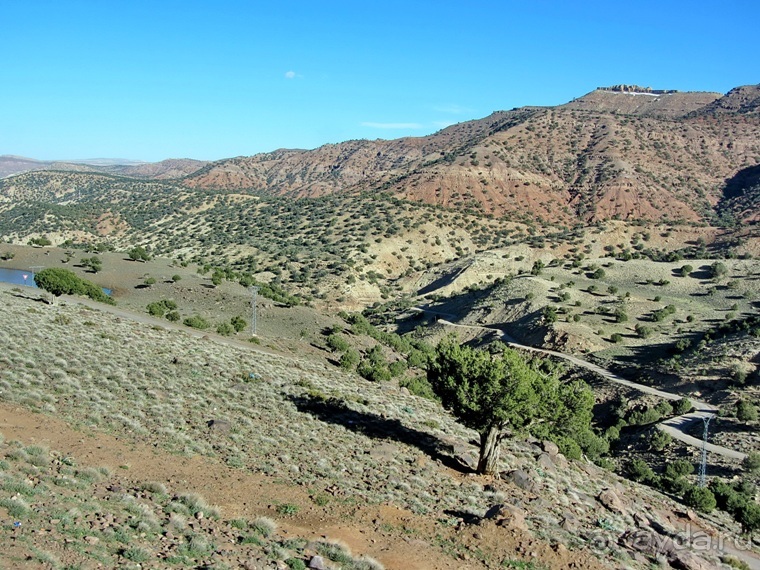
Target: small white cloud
<point>290,75</point>
<point>391,125</point>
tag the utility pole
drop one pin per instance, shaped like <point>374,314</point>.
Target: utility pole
<point>703,466</point>
<point>254,296</point>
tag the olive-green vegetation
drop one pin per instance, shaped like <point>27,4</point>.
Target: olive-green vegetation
<point>503,394</point>
<point>60,281</point>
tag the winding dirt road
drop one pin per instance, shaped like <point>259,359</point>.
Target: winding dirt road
<point>678,427</point>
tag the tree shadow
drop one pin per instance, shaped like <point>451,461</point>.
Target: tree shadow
<point>30,298</point>
<point>334,411</point>
<point>467,518</point>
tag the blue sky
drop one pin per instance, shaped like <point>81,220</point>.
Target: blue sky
<point>209,80</point>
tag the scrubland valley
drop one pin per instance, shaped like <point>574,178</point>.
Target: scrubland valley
<point>154,428</point>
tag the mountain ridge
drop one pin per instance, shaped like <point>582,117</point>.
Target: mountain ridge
<point>623,152</point>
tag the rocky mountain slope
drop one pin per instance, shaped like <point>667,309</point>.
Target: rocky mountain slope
<point>610,154</point>
<point>625,153</point>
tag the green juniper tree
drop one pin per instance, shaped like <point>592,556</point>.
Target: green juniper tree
<point>504,394</point>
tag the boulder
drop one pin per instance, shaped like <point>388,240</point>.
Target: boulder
<point>507,515</point>
<point>570,522</point>
<point>545,462</point>
<point>521,479</point>
<point>611,501</point>
<point>560,461</point>
<point>550,447</point>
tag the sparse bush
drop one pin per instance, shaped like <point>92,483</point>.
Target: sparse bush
<point>550,314</point>
<point>645,416</point>
<point>682,406</point>
<point>287,509</point>
<point>664,408</point>
<point>660,440</point>
<point>337,343</point>
<point>224,329</point>
<point>263,526</point>
<point>196,322</point>
<point>700,498</point>
<point>41,241</point>
<point>748,516</point>
<point>374,372</point>
<point>620,315</point>
<point>638,470</point>
<point>349,359</point>
<point>419,386</point>
<point>138,253</point>
<point>751,463</point>
<point>718,269</point>
<point>238,323</point>
<point>745,411</point>
<point>643,331</point>
<point>156,309</point>
<point>679,468</point>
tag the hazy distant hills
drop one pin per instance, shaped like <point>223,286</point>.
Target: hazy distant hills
<point>170,168</point>
<point>623,152</point>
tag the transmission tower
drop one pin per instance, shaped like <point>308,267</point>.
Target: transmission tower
<point>254,296</point>
<point>703,465</point>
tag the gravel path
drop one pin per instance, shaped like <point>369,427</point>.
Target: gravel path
<point>677,427</point>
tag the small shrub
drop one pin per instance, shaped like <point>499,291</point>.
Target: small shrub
<point>295,564</point>
<point>682,406</point>
<point>700,498</point>
<point>197,322</point>
<point>419,386</point>
<point>751,463</point>
<point>287,509</point>
<point>643,331</point>
<point>638,470</point>
<point>225,329</point>
<point>660,440</point>
<point>745,411</point>
<point>678,468</point>
<point>136,554</point>
<point>238,323</point>
<point>337,343</point>
<point>349,359</point>
<point>263,526</point>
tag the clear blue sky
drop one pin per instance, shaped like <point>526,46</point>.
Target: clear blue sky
<point>209,80</point>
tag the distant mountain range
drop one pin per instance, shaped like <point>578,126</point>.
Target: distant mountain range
<point>171,168</point>
<point>623,152</point>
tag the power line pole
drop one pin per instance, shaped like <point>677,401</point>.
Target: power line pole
<point>254,296</point>
<point>703,466</point>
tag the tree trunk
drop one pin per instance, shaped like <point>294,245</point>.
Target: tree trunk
<point>488,464</point>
